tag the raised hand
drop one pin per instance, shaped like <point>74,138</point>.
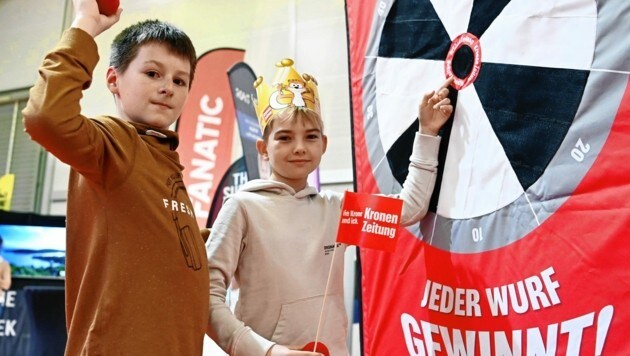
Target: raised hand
<point>435,108</point>
<point>89,19</point>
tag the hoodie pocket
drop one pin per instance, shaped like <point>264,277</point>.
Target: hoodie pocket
<point>297,324</point>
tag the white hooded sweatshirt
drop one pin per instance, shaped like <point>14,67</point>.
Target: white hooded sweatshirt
<point>278,245</point>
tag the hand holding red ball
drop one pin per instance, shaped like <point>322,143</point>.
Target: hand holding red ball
<point>108,7</point>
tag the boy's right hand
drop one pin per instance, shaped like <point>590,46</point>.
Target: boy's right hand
<point>280,350</point>
<point>89,19</point>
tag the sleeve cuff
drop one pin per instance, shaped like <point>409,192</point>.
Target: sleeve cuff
<point>250,343</point>
<point>82,46</point>
<point>425,149</point>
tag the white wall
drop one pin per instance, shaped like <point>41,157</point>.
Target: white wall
<point>29,28</point>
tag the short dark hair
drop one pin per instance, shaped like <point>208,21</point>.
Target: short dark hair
<point>127,43</point>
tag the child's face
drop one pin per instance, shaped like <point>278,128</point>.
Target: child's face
<point>294,149</point>
<point>153,88</point>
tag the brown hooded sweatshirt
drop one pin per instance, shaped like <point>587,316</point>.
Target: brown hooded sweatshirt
<point>136,267</point>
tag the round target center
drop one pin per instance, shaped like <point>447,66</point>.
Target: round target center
<point>463,60</point>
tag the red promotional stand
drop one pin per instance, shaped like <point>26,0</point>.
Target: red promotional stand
<point>524,248</point>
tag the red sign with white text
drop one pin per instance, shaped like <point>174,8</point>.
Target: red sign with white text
<point>206,128</point>
<point>369,221</point>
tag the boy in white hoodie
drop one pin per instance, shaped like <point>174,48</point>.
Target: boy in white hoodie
<point>275,235</point>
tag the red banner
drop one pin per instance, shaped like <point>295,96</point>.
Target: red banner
<point>369,221</point>
<point>524,249</point>
<point>206,128</point>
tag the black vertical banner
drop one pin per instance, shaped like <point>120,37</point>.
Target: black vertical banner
<point>235,176</point>
<point>14,327</point>
<point>241,77</point>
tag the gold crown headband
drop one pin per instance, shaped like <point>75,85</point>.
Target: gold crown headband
<point>288,89</point>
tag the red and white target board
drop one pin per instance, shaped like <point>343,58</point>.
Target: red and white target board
<point>525,248</point>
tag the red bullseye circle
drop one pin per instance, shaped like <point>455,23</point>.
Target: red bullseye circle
<point>465,39</point>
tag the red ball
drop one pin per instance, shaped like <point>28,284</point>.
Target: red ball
<point>108,7</point>
<point>321,348</point>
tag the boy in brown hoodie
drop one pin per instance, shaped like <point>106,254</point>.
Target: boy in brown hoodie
<point>136,268</point>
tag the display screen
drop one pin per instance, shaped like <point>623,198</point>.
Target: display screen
<point>34,250</point>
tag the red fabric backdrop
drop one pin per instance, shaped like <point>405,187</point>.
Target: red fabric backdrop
<point>563,286</point>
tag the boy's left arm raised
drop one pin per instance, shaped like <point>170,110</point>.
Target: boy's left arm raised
<point>52,116</point>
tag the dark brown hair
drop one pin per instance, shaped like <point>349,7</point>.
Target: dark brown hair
<point>127,43</point>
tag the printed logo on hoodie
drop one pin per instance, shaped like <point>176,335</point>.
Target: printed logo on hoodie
<point>177,205</point>
<point>328,249</point>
